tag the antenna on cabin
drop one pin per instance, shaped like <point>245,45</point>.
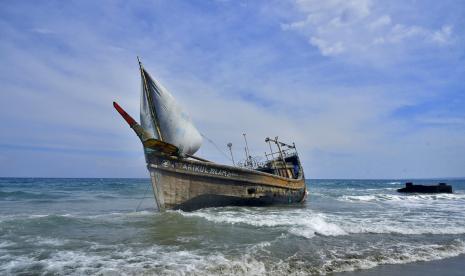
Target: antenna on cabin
<point>279,144</point>
<point>247,152</point>
<point>230,150</point>
<point>246,161</point>
<point>268,140</point>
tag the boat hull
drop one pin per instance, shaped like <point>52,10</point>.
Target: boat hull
<point>190,185</point>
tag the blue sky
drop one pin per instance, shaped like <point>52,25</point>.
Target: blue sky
<point>366,89</point>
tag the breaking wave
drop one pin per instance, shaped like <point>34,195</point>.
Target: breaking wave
<point>397,254</point>
<point>310,224</point>
<point>401,198</point>
<point>298,223</point>
<point>163,260</point>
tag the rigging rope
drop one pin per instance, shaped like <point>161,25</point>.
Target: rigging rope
<point>216,146</point>
<point>142,199</point>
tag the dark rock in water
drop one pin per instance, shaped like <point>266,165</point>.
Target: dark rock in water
<point>431,189</point>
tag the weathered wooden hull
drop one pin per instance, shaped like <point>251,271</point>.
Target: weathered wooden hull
<point>189,185</point>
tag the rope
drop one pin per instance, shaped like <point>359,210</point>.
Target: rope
<point>142,199</point>
<point>216,146</point>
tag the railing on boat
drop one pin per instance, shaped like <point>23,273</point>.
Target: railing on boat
<point>276,161</point>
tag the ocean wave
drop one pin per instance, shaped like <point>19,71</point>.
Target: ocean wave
<point>4,244</point>
<point>111,216</point>
<point>401,198</point>
<point>22,195</point>
<point>164,260</point>
<point>398,254</point>
<point>309,224</point>
<point>296,222</point>
<point>346,226</point>
<point>419,226</point>
<point>35,217</point>
<point>44,241</point>
<point>155,260</point>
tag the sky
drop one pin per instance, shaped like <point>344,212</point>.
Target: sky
<point>365,88</point>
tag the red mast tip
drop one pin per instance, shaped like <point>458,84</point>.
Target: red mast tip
<point>125,115</point>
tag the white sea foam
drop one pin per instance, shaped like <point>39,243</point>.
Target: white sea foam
<point>386,226</point>
<point>154,260</point>
<point>159,260</point>
<point>340,225</point>
<point>296,222</point>
<point>38,216</point>
<point>11,263</point>
<point>4,244</point>
<point>307,223</point>
<point>47,241</point>
<point>398,254</point>
<point>316,225</point>
<point>402,198</point>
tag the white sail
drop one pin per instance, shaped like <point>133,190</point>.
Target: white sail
<point>146,119</point>
<point>161,115</point>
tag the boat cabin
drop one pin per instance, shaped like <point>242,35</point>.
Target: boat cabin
<point>283,162</point>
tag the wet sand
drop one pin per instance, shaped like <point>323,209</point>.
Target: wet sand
<point>450,266</point>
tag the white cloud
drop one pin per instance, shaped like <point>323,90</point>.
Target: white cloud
<point>327,48</point>
<point>400,33</point>
<point>382,21</point>
<point>360,29</point>
<point>344,10</point>
<point>44,31</point>
<point>442,36</point>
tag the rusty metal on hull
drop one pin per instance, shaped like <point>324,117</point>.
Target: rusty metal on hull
<point>188,185</point>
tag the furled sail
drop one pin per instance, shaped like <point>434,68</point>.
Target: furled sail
<point>163,118</point>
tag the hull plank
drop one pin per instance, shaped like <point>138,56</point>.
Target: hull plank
<point>189,185</point>
<point>158,193</point>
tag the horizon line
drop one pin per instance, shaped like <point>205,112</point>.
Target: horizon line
<point>403,179</point>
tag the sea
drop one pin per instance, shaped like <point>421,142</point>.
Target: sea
<point>62,226</point>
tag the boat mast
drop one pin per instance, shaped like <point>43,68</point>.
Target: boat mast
<point>230,150</point>
<point>149,97</point>
<point>267,140</point>
<point>246,162</point>
<point>247,152</point>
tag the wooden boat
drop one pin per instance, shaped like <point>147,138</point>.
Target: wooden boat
<point>181,180</point>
